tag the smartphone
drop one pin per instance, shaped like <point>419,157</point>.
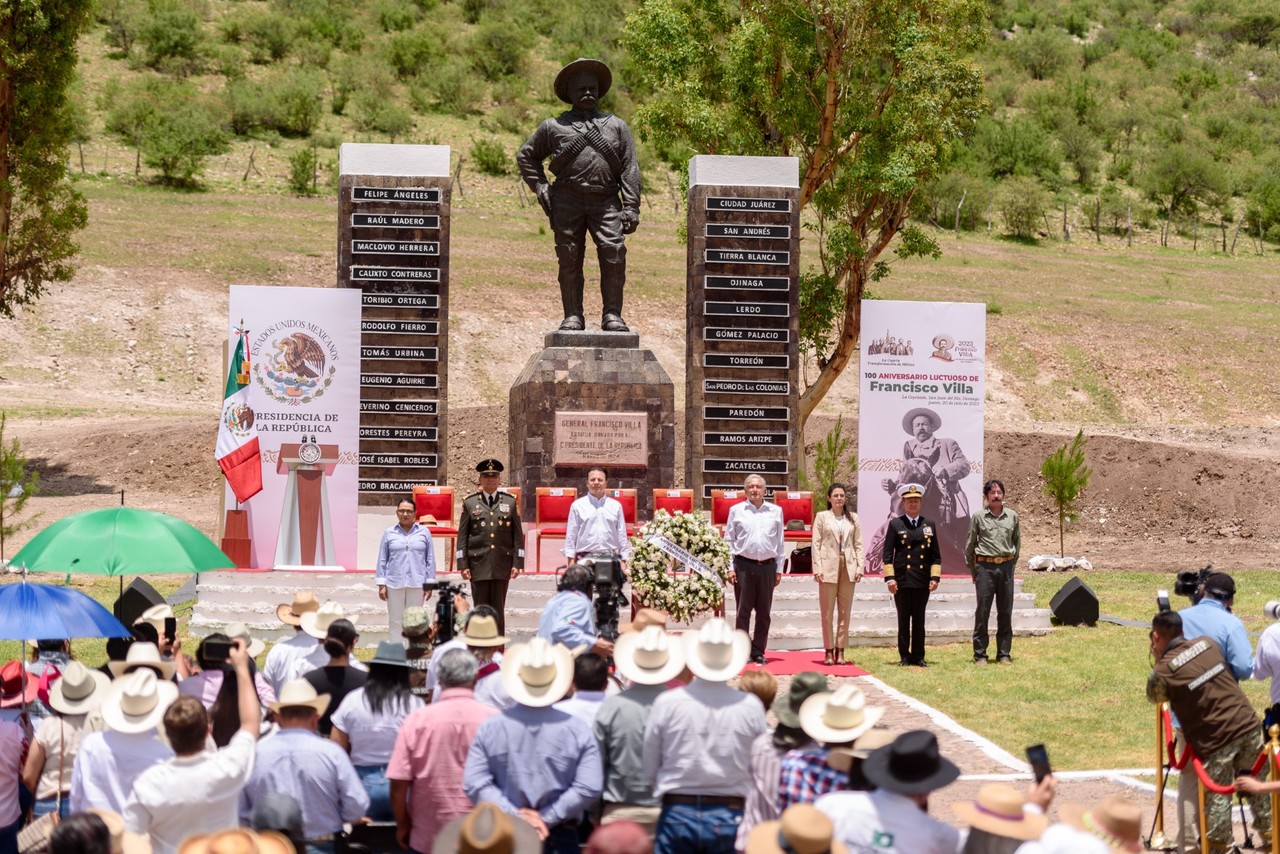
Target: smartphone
<point>218,650</point>
<point>171,627</point>
<point>1038,759</point>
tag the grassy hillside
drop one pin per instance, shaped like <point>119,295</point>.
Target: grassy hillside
<point>1139,119</point>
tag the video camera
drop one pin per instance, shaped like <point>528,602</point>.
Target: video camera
<point>609,579</point>
<point>446,613</point>
<point>1186,583</point>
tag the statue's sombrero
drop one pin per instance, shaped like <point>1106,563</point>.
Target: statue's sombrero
<point>603,75</point>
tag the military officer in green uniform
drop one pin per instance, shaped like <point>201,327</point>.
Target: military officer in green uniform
<point>912,570</point>
<point>490,540</point>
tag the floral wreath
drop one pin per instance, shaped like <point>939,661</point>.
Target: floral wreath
<point>661,581</point>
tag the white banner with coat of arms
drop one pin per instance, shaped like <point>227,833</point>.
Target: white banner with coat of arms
<point>920,418</point>
<point>304,390</point>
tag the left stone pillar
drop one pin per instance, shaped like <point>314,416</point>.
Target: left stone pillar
<point>393,245</point>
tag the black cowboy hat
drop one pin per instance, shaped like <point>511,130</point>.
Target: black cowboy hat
<point>911,765</point>
<point>603,76</point>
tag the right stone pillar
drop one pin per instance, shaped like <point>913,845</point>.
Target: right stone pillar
<point>742,365</point>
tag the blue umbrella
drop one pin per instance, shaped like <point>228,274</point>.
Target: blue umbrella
<point>44,611</point>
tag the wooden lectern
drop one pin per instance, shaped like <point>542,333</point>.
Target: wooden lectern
<point>306,532</point>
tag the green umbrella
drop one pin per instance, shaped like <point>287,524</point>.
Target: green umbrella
<point>121,541</point>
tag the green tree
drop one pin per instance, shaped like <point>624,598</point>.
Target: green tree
<point>1022,203</point>
<point>40,211</point>
<point>871,95</point>
<point>1180,176</point>
<point>1065,478</point>
<point>172,36</point>
<point>177,139</point>
<point>17,485</point>
<point>832,455</point>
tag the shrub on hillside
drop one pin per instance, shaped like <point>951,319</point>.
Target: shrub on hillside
<point>411,52</point>
<point>1042,53</point>
<point>496,48</point>
<point>267,36</point>
<point>302,171</point>
<point>171,37</point>
<point>1022,203</point>
<point>452,88</point>
<point>1016,146</point>
<point>288,102</point>
<point>378,114</point>
<point>174,127</point>
<point>394,16</point>
<point>490,157</point>
<point>123,19</point>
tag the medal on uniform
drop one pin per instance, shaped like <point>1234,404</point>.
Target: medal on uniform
<point>504,508</point>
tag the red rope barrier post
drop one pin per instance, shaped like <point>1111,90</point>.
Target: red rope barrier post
<point>1158,840</point>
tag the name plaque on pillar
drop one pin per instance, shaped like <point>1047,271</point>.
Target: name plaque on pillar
<point>743,315</point>
<point>393,245</point>
<point>619,439</point>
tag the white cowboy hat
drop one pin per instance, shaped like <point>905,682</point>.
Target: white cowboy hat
<point>717,652</point>
<point>142,655</point>
<point>537,673</point>
<point>649,657</point>
<point>155,615</point>
<point>316,623</point>
<point>240,630</point>
<point>838,716</point>
<point>482,631</point>
<point>136,702</point>
<point>291,614</point>
<point>300,692</point>
<point>79,690</point>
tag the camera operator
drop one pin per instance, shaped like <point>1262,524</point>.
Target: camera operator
<point>568,618</point>
<point>1216,719</point>
<point>1212,594</point>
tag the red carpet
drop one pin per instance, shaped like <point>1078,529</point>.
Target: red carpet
<point>789,663</point>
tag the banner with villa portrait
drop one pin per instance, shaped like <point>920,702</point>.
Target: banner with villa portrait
<point>303,378</point>
<point>920,418</point>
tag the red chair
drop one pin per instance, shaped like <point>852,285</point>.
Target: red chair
<point>721,502</point>
<point>673,500</point>
<point>551,516</point>
<point>436,502</point>
<point>796,505</point>
<point>628,499</point>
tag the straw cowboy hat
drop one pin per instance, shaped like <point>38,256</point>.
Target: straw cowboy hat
<point>564,79</point>
<point>16,686</point>
<point>645,618</point>
<point>998,811</point>
<point>839,716</point>
<point>1115,821</point>
<point>486,829</point>
<point>316,623</point>
<point>841,758</point>
<point>300,692</point>
<point>803,829</point>
<point>239,630</point>
<point>156,615</point>
<point>238,841</point>
<point>142,655</point>
<point>911,765</point>
<point>934,419</point>
<point>649,657</point>
<point>121,841</point>
<point>717,652</point>
<point>79,690</point>
<point>137,701</point>
<point>482,631</point>
<point>303,602</point>
<point>536,673</point>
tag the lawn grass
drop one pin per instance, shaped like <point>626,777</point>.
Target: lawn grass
<point>1079,690</point>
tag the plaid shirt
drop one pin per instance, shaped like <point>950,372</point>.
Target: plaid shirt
<point>805,776</point>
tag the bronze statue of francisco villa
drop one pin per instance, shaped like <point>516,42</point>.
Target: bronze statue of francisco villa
<point>597,188</point>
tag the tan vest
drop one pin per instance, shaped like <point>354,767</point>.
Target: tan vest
<point>1204,695</point>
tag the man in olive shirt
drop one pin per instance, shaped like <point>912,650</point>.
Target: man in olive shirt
<point>1217,720</point>
<point>991,553</point>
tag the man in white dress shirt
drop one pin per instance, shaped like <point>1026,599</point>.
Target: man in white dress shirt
<point>754,531</point>
<point>596,522</point>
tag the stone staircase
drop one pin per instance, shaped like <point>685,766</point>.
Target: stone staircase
<point>251,597</point>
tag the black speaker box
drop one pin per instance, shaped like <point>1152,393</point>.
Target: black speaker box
<point>137,598</point>
<point>1075,604</point>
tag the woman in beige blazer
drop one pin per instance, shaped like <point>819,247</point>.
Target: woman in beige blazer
<point>837,566</point>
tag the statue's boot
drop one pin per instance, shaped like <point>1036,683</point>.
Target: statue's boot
<point>613,278</point>
<point>570,256</point>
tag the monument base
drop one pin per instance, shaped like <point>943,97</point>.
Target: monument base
<point>597,374</point>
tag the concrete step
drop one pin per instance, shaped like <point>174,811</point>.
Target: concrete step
<point>252,597</point>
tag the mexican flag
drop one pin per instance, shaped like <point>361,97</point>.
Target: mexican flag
<point>237,451</point>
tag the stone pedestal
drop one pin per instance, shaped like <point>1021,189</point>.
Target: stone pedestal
<point>592,398</point>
